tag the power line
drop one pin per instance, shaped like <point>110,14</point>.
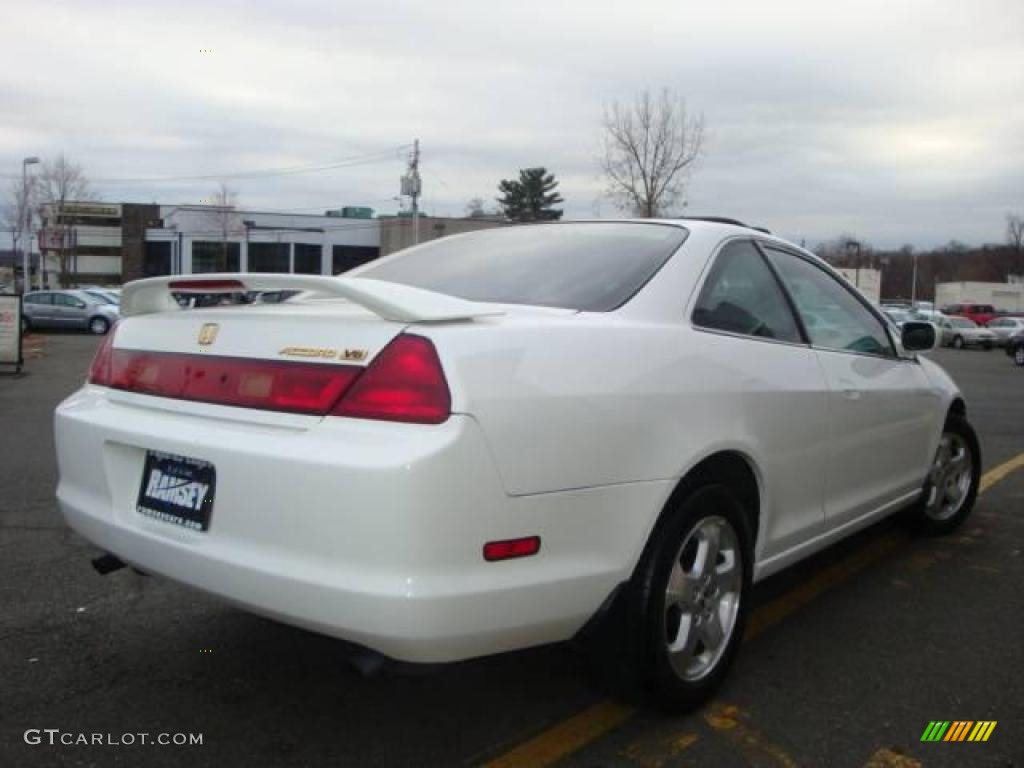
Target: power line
<point>257,174</point>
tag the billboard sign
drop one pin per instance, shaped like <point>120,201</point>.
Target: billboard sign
<point>10,330</point>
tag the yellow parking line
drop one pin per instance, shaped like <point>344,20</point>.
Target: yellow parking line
<point>728,721</point>
<point>887,758</point>
<point>996,474</point>
<point>770,614</point>
<point>589,725</point>
<point>566,737</point>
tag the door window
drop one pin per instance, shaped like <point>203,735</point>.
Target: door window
<point>64,300</point>
<point>833,317</point>
<point>741,295</point>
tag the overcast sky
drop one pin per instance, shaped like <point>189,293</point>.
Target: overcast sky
<point>899,121</point>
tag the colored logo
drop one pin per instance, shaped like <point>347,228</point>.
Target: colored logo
<point>958,730</point>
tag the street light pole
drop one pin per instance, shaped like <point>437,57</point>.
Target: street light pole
<point>25,163</point>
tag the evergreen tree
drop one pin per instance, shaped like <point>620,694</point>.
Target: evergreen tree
<point>530,198</point>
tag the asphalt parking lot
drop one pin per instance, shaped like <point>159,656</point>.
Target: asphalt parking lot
<point>848,657</point>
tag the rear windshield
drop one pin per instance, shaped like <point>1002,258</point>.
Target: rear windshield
<point>591,266</point>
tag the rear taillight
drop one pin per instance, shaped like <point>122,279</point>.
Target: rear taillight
<point>405,382</point>
<point>268,384</point>
<point>99,371</point>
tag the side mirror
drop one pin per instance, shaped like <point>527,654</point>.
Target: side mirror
<point>918,337</point>
<point>80,304</point>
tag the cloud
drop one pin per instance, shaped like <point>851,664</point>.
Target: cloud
<point>898,121</point>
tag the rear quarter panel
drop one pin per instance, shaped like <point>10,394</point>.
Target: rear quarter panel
<point>637,395</point>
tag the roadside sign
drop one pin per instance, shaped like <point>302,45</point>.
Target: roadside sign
<point>10,330</point>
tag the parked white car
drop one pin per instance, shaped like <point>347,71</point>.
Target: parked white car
<point>493,440</point>
<point>959,332</point>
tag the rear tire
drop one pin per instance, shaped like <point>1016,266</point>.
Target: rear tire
<point>952,484</point>
<point>686,605</point>
<point>26,326</point>
<point>958,342</point>
<point>1018,355</point>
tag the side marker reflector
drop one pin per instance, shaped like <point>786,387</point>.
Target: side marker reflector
<point>511,548</point>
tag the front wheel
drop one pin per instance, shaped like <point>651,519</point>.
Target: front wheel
<point>952,485</point>
<point>689,599</point>
<point>1018,355</point>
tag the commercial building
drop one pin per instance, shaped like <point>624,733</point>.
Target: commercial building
<point>1006,297</point>
<point>869,281</point>
<point>113,243</point>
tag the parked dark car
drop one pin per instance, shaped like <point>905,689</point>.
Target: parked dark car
<point>1015,348</point>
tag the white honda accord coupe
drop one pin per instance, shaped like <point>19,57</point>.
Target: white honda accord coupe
<point>497,439</point>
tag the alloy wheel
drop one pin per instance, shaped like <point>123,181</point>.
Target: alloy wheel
<point>702,597</point>
<point>951,476</point>
<point>1018,355</point>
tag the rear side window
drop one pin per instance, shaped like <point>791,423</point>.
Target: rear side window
<point>741,295</point>
<point>593,266</point>
<point>833,317</point>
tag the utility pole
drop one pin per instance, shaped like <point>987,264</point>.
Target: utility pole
<point>913,282</point>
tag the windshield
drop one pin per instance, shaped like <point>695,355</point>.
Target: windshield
<point>593,266</point>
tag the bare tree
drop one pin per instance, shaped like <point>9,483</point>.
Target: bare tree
<point>650,149</point>
<point>1015,237</point>
<point>61,181</point>
<point>224,219</point>
<point>15,213</point>
<point>475,208</point>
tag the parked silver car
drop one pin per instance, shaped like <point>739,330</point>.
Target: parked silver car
<point>960,332</point>
<point>68,309</point>
<point>1005,327</point>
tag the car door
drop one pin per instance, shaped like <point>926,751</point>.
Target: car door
<point>70,311</point>
<point>882,407</point>
<point>945,332</point>
<point>39,309</point>
<point>756,359</point>
<point>1001,327</point>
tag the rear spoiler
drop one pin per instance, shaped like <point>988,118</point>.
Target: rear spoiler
<point>390,301</point>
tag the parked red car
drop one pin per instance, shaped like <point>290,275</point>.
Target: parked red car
<point>979,313</point>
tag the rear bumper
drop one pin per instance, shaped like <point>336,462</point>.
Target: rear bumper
<point>367,531</point>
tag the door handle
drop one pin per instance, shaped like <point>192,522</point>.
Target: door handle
<point>850,392</point>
